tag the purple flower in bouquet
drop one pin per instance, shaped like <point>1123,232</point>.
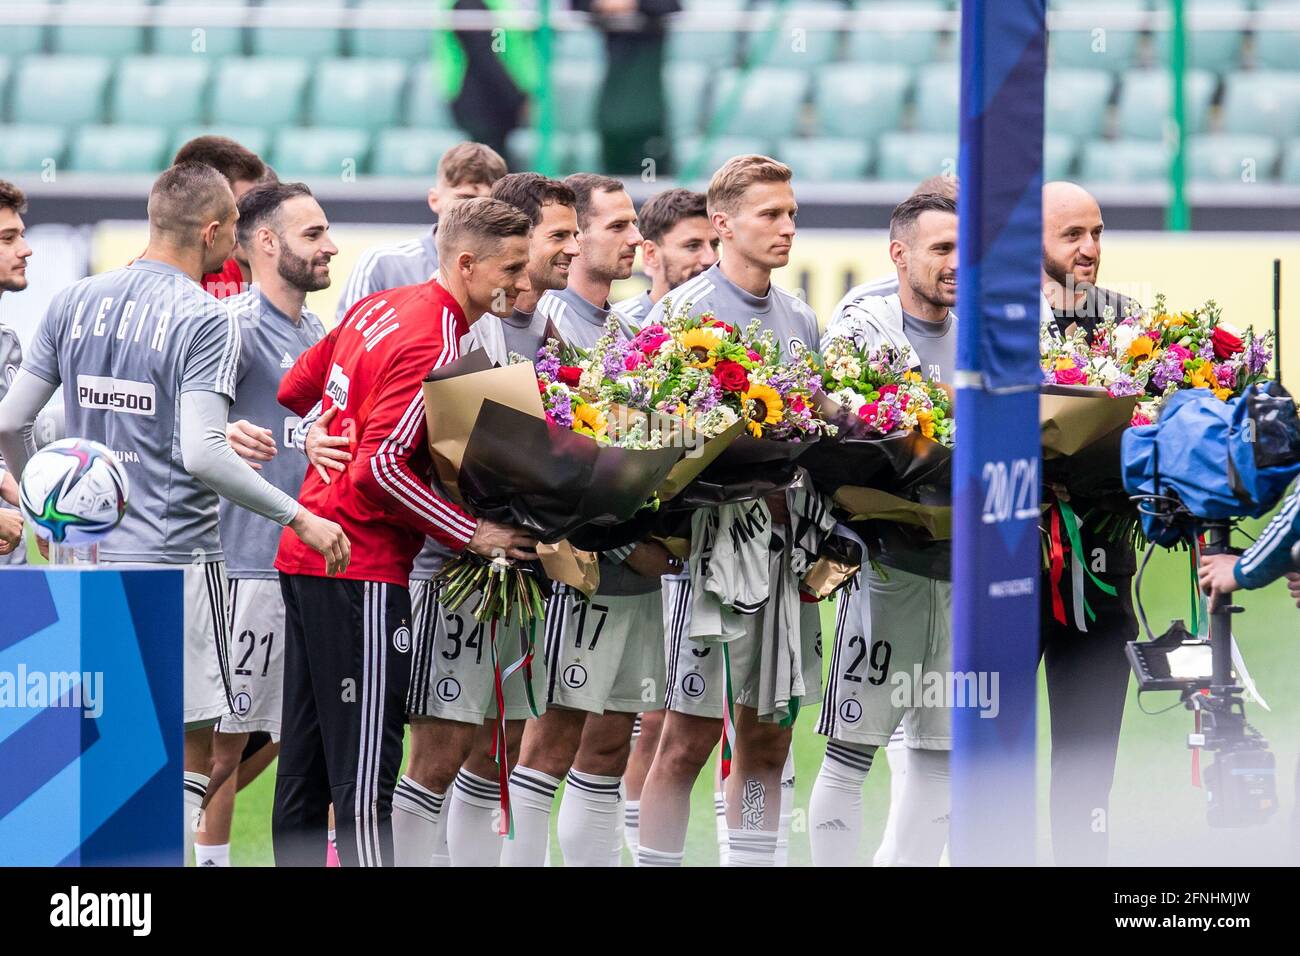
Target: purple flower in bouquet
<point>1124,386</point>
<point>615,359</point>
<point>548,362</point>
<point>1257,357</point>
<point>1168,371</point>
<point>1206,352</point>
<point>560,407</point>
<point>1227,375</point>
<point>705,398</point>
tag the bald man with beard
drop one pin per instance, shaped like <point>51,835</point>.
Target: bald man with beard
<point>1087,671</point>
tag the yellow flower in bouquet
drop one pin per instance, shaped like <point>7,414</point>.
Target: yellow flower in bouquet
<point>1174,321</point>
<point>587,420</point>
<point>1142,348</point>
<point>698,346</point>
<point>762,406</point>
<point>1064,363</point>
<point>913,377</point>
<point>925,421</point>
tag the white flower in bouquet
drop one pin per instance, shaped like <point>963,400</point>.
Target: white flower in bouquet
<point>591,378</point>
<point>848,398</point>
<point>844,366</point>
<point>716,421</point>
<point>1124,336</point>
<point>1102,370</point>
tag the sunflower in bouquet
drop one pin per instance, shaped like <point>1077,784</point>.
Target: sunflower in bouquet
<point>880,387</point>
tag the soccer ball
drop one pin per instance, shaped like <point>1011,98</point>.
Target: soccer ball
<point>73,491</point>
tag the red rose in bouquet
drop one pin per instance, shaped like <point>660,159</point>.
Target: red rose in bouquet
<point>570,374</point>
<point>731,376</point>
<point>1226,344</point>
<point>1071,376</point>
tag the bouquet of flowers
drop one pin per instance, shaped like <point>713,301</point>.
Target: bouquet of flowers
<point>884,393</point>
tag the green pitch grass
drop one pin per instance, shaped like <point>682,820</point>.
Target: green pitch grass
<point>1156,816</point>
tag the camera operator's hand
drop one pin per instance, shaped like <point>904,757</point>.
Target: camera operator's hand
<point>650,559</point>
<point>1293,586</point>
<point>1216,577</point>
<point>493,540</point>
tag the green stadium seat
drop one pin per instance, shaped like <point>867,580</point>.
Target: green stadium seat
<point>859,99</point>
<point>820,160</point>
<point>320,153</point>
<point>1124,161</point>
<point>357,92</point>
<point>1227,158</point>
<point>576,87</point>
<point>585,153</point>
<point>98,39</point>
<point>1276,49</point>
<point>710,47</point>
<point>160,90</point>
<point>1144,102</point>
<point>938,100</point>
<point>264,91</point>
<point>425,107</point>
<point>687,153</point>
<point>182,35</point>
<point>1076,101</point>
<point>521,150</point>
<point>272,37</point>
<point>586,44</point>
<point>889,45</point>
<point>250,137</point>
<point>1059,151</point>
<point>21,39</point>
<point>769,104</point>
<point>685,85</point>
<point>119,149</point>
<point>412,152</point>
<point>59,88</point>
<point>29,149</point>
<point>1096,48</point>
<point>1265,102</point>
<point>407,43</point>
<point>6,67</point>
<point>1216,50</point>
<point>1291,164</point>
<point>911,157</point>
<point>796,42</point>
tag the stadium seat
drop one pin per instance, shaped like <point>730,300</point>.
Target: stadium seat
<point>688,156</point>
<point>768,105</point>
<point>1124,161</point>
<point>251,137</point>
<point>576,86</point>
<point>425,106</point>
<point>272,35</point>
<point>1076,101</point>
<point>1265,102</point>
<point>320,153</point>
<point>1059,151</point>
<point>1144,102</point>
<point>1276,49</point>
<point>159,90</point>
<point>889,45</point>
<point>819,160</point>
<point>408,43</point>
<point>911,157</point>
<point>1291,164</point>
<point>29,149</point>
<point>1225,158</point>
<point>521,149</point>
<point>710,47</point>
<point>59,89</point>
<point>98,39</point>
<point>357,92</point>
<point>938,100</point>
<point>21,39</point>
<point>685,85</point>
<point>119,149</point>
<point>860,100</point>
<point>1216,50</point>
<point>585,153</point>
<point>266,91</point>
<point>182,36</point>
<point>6,67</point>
<point>795,42</point>
<point>412,152</point>
<point>1096,48</point>
<point>586,45</point>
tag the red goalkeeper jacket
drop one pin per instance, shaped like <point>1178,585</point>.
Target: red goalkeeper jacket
<point>370,367</point>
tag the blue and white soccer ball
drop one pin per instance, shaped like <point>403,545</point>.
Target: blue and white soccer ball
<point>73,491</point>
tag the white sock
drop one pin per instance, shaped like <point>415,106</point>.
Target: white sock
<point>417,822</point>
<point>835,808</point>
<point>752,848</point>
<point>589,812</point>
<point>787,810</point>
<point>217,855</point>
<point>923,816</point>
<point>632,825</point>
<point>618,836</point>
<point>720,823</point>
<point>645,856</point>
<point>196,788</point>
<point>896,755</point>
<point>472,821</point>
<point>531,795</point>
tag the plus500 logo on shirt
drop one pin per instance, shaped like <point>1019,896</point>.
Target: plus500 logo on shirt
<point>337,386</point>
<point>115,395</point>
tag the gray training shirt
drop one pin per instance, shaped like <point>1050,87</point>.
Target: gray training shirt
<point>389,267</point>
<point>635,310</point>
<point>935,345</point>
<point>270,343</point>
<point>125,345</point>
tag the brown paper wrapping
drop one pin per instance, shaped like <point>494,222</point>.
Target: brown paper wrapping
<point>1073,417</point>
<point>702,452</point>
<point>866,504</point>
<point>565,564</point>
<point>827,575</point>
<point>451,407</point>
<point>677,547</point>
